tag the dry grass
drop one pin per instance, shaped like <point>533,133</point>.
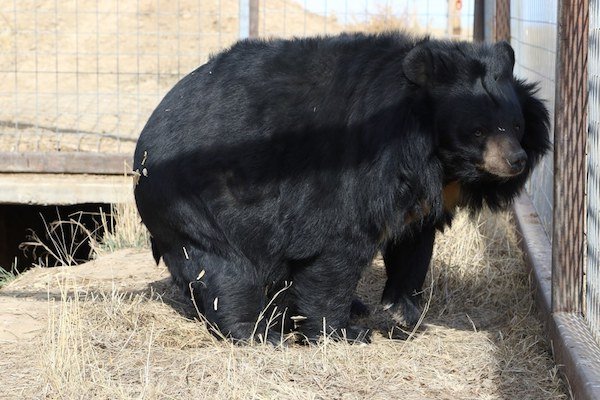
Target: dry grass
<point>122,229</point>
<point>479,340</point>
<point>61,240</point>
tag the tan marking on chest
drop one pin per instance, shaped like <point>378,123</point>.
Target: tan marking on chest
<point>413,216</point>
<point>451,196</point>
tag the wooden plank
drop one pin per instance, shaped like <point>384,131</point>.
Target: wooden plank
<point>570,140</point>
<point>64,189</point>
<point>66,163</point>
<point>502,25</point>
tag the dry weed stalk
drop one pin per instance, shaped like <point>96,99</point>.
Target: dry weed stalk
<point>63,238</point>
<point>123,230</point>
<point>68,354</point>
<point>62,242</point>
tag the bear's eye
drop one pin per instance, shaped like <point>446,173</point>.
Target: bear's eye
<point>478,132</point>
<point>517,127</point>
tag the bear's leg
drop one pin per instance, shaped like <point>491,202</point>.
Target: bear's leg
<point>406,263</point>
<point>228,292</point>
<point>359,309</point>
<point>323,292</point>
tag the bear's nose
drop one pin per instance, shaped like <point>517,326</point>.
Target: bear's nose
<point>517,161</point>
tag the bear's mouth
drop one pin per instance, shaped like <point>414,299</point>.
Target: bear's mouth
<point>501,170</point>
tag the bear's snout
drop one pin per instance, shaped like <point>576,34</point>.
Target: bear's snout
<point>517,160</point>
<point>503,156</point>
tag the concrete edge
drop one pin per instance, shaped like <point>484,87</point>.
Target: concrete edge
<point>537,250</point>
<point>577,354</point>
<point>575,351</point>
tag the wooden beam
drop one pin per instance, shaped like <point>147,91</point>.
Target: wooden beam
<point>66,163</point>
<point>478,21</point>
<point>253,31</point>
<point>502,21</point>
<point>570,141</point>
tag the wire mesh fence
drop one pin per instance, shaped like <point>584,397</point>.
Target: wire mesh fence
<point>440,18</point>
<point>592,278</point>
<point>84,75</point>
<point>533,36</point>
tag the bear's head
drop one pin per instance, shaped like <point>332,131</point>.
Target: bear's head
<point>490,128</point>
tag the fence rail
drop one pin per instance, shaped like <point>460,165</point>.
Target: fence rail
<point>533,36</point>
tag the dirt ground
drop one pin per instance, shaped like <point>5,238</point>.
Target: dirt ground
<point>116,328</point>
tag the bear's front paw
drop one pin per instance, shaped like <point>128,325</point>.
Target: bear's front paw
<point>404,311</point>
<point>354,335</point>
<point>350,334</point>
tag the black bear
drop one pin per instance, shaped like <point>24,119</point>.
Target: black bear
<point>271,176</point>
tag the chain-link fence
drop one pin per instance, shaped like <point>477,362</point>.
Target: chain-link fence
<point>84,75</point>
<point>533,36</point>
<point>558,43</point>
<point>593,194</point>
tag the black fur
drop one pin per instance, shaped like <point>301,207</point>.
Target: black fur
<point>297,160</point>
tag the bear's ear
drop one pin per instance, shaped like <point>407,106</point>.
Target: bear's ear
<point>427,65</point>
<point>418,65</point>
<point>504,60</point>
